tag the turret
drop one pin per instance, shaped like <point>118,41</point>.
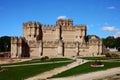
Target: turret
<point>16,47</point>
<point>80,33</point>
<point>65,23</point>
<point>32,31</point>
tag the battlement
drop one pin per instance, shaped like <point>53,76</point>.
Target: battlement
<point>65,22</point>
<point>94,40</point>
<point>16,40</point>
<point>31,24</point>
<point>48,27</point>
<point>81,27</point>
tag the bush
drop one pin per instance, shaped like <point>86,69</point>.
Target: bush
<point>107,55</point>
<point>97,62</point>
<point>112,55</point>
<point>44,58</point>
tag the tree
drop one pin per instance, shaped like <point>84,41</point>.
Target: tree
<point>5,43</point>
<point>110,42</point>
<point>117,42</point>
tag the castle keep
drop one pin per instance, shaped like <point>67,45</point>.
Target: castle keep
<point>62,39</point>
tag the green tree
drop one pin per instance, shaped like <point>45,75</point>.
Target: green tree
<point>5,43</point>
<point>117,42</point>
<point>109,42</point>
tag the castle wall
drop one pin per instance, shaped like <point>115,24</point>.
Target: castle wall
<point>50,48</point>
<point>62,39</point>
<point>49,35</point>
<point>50,52</point>
<point>34,48</point>
<point>34,52</point>
<point>13,50</point>
<point>100,47</point>
<point>68,35</point>
<point>70,52</point>
<point>16,47</point>
<point>83,51</point>
<point>93,50</point>
<point>95,46</point>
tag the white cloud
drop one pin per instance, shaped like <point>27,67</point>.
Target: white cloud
<point>117,34</point>
<point>62,17</point>
<point>109,28</point>
<point>111,7</point>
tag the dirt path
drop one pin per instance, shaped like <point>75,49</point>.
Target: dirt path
<point>92,75</point>
<point>57,70</point>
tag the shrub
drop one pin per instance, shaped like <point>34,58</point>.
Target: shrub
<point>112,55</point>
<point>44,58</point>
<point>107,55</point>
<point>97,62</point>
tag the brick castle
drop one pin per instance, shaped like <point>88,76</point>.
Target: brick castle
<point>62,39</point>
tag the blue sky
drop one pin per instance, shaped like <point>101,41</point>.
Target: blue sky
<point>102,17</point>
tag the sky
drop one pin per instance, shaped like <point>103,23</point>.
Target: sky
<point>102,17</point>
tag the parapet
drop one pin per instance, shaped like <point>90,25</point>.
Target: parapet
<point>48,27</point>
<point>65,22</point>
<point>31,24</point>
<point>15,40</point>
<point>81,27</point>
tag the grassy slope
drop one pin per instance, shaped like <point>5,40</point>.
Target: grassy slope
<point>20,73</point>
<point>86,68</point>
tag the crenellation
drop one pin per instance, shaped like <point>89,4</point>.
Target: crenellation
<point>48,26</point>
<point>14,40</point>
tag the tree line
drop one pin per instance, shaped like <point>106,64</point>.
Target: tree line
<point>112,42</point>
<point>5,43</point>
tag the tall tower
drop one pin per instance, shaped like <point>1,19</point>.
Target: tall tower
<point>32,31</point>
<point>83,32</point>
<point>16,47</point>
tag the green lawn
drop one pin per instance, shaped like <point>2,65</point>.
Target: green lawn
<point>38,61</point>
<point>98,58</point>
<point>86,68</point>
<point>20,73</point>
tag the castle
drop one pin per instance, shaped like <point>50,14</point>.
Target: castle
<point>62,39</point>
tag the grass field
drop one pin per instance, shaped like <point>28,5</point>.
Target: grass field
<point>20,73</point>
<point>98,58</point>
<point>38,61</point>
<point>86,68</point>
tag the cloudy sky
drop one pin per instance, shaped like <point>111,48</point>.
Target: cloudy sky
<point>102,17</point>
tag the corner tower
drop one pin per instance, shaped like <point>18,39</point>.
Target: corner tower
<point>32,31</point>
